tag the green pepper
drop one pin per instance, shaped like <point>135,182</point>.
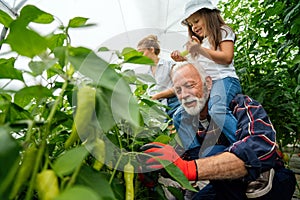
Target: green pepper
<point>184,53</point>
<point>99,153</point>
<point>86,98</point>
<point>25,170</point>
<point>47,185</point>
<point>128,177</point>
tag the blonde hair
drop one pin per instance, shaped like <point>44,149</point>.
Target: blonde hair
<point>149,42</point>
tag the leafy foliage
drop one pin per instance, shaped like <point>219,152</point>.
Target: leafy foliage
<point>42,115</point>
<point>267,59</point>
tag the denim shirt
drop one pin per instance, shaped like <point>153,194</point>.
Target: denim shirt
<point>186,126</point>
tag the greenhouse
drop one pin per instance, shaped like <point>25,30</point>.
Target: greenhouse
<point>88,110</point>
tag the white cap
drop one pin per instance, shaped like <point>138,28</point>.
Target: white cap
<point>194,5</point>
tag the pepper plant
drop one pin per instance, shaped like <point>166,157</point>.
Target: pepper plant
<point>71,135</point>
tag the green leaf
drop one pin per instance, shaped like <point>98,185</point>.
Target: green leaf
<point>38,67</point>
<point>163,139</point>
<point>297,89</point>
<point>122,102</point>
<point>161,193</point>
<point>96,181</point>
<point>5,100</point>
<point>80,53</point>
<point>7,69</point>
<point>106,121</point>
<point>177,174</point>
<point>129,52</point>
<point>24,96</point>
<point>103,49</point>
<point>56,40</point>
<point>69,161</point>
<point>140,60</point>
<point>5,19</point>
<point>9,151</point>
<point>60,53</point>
<point>11,113</point>
<point>30,13</point>
<point>61,118</point>
<point>54,70</point>
<point>24,41</point>
<point>146,78</point>
<point>77,22</point>
<point>296,60</point>
<point>290,14</point>
<point>176,192</point>
<point>131,55</point>
<point>9,154</point>
<point>78,193</point>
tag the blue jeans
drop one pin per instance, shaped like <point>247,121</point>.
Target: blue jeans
<point>222,93</point>
<point>283,186</point>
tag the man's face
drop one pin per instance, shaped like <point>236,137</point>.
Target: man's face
<point>190,90</point>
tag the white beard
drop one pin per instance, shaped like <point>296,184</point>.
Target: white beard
<point>200,103</point>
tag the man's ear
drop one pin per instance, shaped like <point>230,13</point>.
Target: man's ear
<point>208,82</point>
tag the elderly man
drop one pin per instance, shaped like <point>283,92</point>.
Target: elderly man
<point>229,167</point>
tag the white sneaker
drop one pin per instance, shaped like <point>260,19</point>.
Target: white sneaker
<point>261,186</point>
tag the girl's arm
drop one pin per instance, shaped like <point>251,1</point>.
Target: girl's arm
<point>223,56</point>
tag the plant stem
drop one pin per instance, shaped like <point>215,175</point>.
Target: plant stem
<point>29,193</point>
<point>115,169</point>
<point>29,132</point>
<point>118,136</point>
<point>53,110</point>
<point>73,178</point>
<point>35,170</point>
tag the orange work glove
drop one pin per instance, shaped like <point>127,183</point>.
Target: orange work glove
<point>166,152</point>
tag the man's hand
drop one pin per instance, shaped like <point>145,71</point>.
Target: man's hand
<point>166,152</point>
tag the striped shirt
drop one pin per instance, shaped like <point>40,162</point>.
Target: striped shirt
<point>256,137</point>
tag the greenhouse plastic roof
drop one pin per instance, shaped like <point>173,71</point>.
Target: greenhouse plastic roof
<point>119,23</point>
<point>128,19</point>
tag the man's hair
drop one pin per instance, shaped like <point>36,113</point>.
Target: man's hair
<point>195,64</point>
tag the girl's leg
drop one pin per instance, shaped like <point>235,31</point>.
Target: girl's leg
<point>222,93</point>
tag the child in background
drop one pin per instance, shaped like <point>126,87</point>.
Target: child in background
<point>212,44</point>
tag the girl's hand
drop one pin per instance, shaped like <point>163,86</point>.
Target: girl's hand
<point>192,42</point>
<point>176,56</point>
<point>195,39</point>
<point>194,47</point>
